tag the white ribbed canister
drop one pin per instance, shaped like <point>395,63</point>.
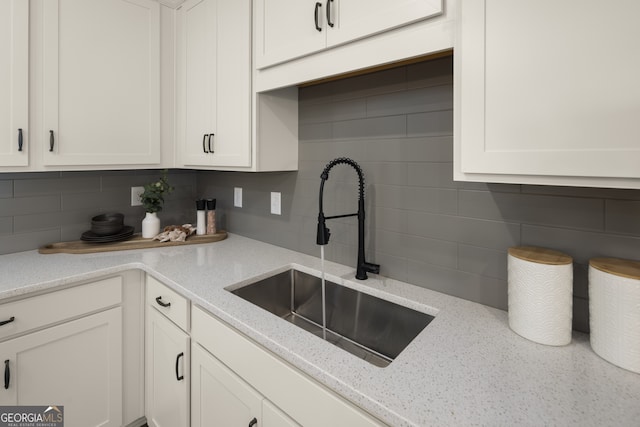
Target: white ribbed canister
<point>614,311</point>
<point>540,294</point>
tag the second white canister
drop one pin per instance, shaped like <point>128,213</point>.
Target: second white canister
<point>540,294</point>
<point>614,311</point>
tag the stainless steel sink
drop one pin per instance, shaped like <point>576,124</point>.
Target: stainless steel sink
<point>371,328</point>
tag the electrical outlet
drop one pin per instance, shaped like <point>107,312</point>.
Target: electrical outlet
<point>237,197</point>
<point>276,206</point>
<point>135,196</point>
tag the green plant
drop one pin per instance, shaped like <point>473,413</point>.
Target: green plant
<point>152,197</point>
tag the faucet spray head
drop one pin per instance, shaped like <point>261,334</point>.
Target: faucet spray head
<point>322,238</point>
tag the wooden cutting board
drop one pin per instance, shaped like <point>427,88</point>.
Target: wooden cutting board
<point>135,242</point>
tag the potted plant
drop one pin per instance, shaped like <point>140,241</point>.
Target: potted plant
<point>152,199</point>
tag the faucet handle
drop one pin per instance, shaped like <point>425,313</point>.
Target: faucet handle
<point>372,268</point>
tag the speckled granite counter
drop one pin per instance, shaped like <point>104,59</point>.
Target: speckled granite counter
<point>466,368</point>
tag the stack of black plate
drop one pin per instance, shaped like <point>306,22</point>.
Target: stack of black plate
<point>107,228</point>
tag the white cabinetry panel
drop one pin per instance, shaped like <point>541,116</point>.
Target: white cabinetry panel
<point>547,89</point>
<point>14,82</point>
<point>101,82</point>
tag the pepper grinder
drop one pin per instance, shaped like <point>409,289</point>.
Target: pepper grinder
<point>200,225</point>
<point>211,216</point>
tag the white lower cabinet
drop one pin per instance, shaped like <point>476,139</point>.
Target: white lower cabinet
<point>244,381</point>
<point>76,364</point>
<point>167,372</point>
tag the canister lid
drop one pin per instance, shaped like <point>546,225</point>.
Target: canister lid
<point>211,204</point>
<point>200,204</point>
<point>540,255</point>
<point>619,267</point>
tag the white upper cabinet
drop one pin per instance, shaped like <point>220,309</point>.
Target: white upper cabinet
<point>14,81</point>
<point>294,28</point>
<point>547,92</point>
<point>101,82</point>
<point>214,83</point>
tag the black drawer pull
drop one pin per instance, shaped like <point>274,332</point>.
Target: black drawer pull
<point>329,22</point>
<point>9,320</point>
<point>7,374</point>
<point>253,422</point>
<point>178,376</point>
<point>211,135</point>
<point>162,303</point>
<point>19,139</point>
<point>52,140</point>
<point>316,16</point>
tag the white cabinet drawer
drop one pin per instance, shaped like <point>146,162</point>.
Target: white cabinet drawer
<point>42,310</point>
<point>168,302</point>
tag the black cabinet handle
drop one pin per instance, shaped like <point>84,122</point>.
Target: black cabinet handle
<point>7,374</point>
<point>316,16</point>
<point>161,303</point>
<point>253,422</point>
<point>329,22</point>
<point>51,140</point>
<point>19,139</point>
<point>204,145</point>
<point>9,320</point>
<point>211,135</point>
<point>178,376</point>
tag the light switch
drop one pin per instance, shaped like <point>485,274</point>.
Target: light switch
<point>237,197</point>
<point>276,207</point>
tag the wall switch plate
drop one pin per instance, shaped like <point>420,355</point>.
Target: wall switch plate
<point>276,206</point>
<point>135,196</point>
<point>237,197</point>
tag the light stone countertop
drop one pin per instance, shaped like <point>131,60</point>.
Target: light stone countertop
<point>466,368</point>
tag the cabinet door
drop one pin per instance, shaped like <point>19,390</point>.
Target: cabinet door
<point>286,29</point>
<point>215,83</point>
<point>167,368</point>
<point>101,82</point>
<point>14,78</point>
<point>274,417</point>
<point>77,365</point>
<point>354,19</point>
<point>548,88</point>
<point>218,396</point>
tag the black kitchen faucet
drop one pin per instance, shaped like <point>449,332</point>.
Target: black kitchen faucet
<point>322,237</point>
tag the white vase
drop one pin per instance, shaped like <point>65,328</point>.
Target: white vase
<point>150,225</point>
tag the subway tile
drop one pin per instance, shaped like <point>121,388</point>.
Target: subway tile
<point>380,127</point>
<point>483,233</point>
<point>67,184</point>
<point>482,261</point>
<point>581,245</point>
<point>314,131</point>
<point>6,225</point>
<point>437,175</point>
<point>101,200</point>
<point>320,93</point>
<point>431,251</point>
<point>431,149</point>
<point>28,241</point>
<point>489,186</point>
<point>581,315</point>
<point>371,84</point>
<point>391,266</point>
<point>388,219</point>
<point>386,173</point>
<point>434,200</point>
<point>580,280</point>
<point>6,189</point>
<point>622,216</point>
<point>390,196</point>
<point>26,205</point>
<point>435,98</point>
<point>436,123</point>
<point>481,289</point>
<point>344,110</point>
<point>568,212</point>
<point>29,175</point>
<point>430,73</point>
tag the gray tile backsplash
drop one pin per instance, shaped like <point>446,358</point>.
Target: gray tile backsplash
<point>41,208</point>
<point>422,227</point>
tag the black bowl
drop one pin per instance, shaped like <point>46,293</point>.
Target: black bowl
<point>107,224</point>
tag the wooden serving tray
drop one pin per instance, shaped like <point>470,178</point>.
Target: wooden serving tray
<point>136,242</point>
